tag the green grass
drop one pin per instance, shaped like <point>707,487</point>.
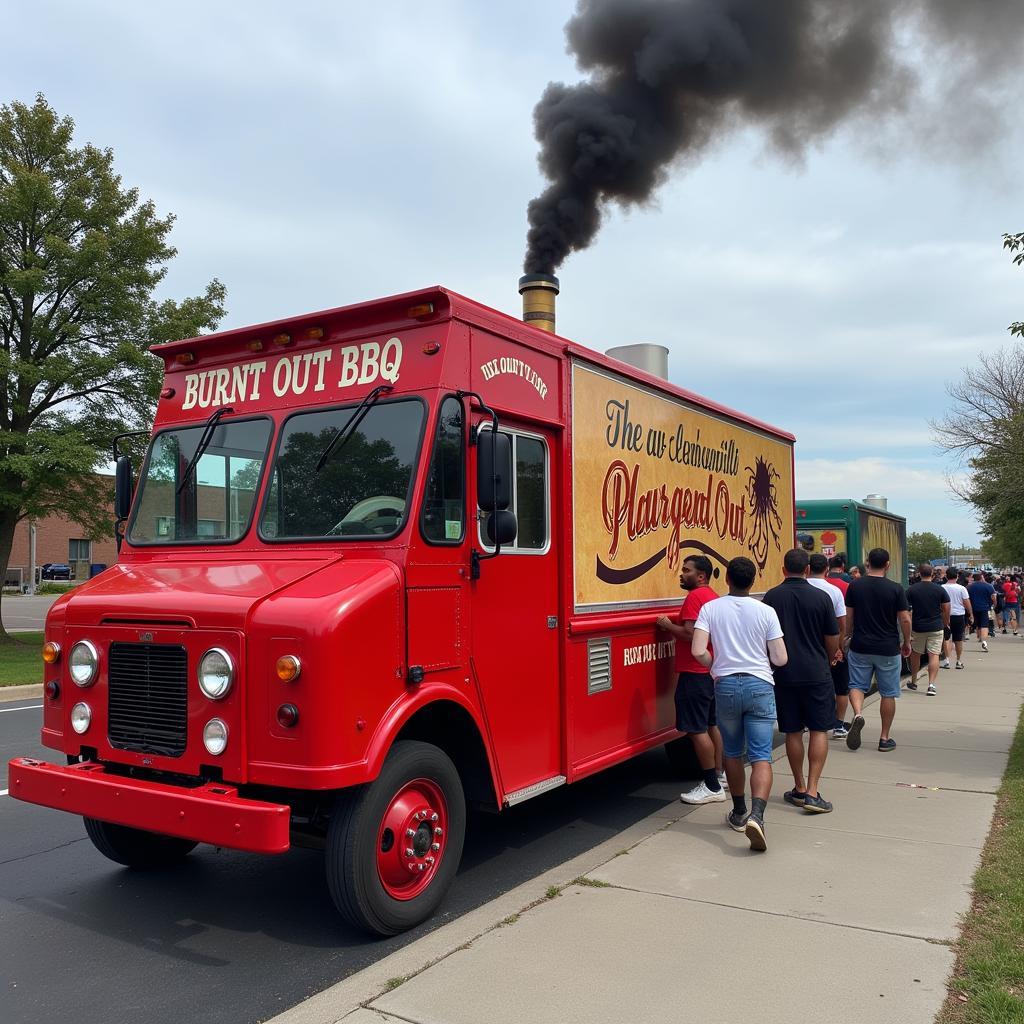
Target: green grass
<point>988,982</point>
<point>21,661</point>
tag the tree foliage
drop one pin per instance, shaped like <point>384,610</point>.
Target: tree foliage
<point>924,546</point>
<point>986,429</point>
<point>81,256</point>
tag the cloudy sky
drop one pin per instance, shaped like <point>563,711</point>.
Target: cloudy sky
<point>317,154</point>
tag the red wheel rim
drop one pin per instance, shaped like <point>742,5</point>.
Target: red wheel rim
<point>412,838</point>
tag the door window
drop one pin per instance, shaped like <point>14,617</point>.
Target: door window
<point>444,502</point>
<point>530,492</point>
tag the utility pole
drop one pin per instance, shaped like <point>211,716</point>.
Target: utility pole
<point>31,559</point>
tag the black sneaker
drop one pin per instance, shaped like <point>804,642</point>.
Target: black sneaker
<point>737,822</point>
<point>886,745</point>
<point>911,685</point>
<point>853,739</point>
<point>755,833</point>
<point>794,797</point>
<point>817,804</point>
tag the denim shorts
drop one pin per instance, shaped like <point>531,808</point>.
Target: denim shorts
<point>746,716</point>
<point>886,668</point>
<point>1010,611</point>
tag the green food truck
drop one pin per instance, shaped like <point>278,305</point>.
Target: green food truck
<point>845,525</point>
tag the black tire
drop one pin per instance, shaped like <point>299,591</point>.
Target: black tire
<point>136,848</point>
<point>683,759</point>
<point>351,855</point>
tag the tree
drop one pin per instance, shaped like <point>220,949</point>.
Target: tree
<point>80,259</point>
<point>986,428</point>
<point>1015,244</point>
<point>923,547</point>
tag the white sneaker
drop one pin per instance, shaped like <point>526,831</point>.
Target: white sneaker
<point>931,691</point>
<point>723,782</point>
<point>700,794</point>
<point>984,646</point>
<point>945,663</point>
<point>959,664</point>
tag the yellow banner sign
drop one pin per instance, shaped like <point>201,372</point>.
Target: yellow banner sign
<point>657,479</point>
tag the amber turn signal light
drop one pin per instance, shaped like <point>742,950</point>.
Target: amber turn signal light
<point>255,346</point>
<point>315,333</point>
<point>282,339</point>
<point>423,309</point>
<point>51,652</point>
<point>185,358</point>
<point>288,668</point>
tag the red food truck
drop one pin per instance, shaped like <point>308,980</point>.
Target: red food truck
<point>382,561</point>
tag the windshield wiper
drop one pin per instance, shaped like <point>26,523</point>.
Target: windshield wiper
<point>340,437</point>
<point>204,443</point>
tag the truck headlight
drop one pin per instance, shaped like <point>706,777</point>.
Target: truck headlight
<point>216,673</point>
<point>82,663</point>
<point>81,717</point>
<point>215,736</point>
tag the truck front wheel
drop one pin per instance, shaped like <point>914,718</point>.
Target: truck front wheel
<point>393,846</point>
<point>134,847</point>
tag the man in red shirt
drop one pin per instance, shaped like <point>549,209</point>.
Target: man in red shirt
<point>695,689</point>
<point>837,573</point>
<point>1011,604</point>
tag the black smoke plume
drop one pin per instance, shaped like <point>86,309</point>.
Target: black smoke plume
<point>666,77</point>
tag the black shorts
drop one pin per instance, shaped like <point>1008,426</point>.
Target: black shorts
<point>695,702</point>
<point>981,620</point>
<point>841,678</point>
<point>957,625</point>
<point>812,707</point>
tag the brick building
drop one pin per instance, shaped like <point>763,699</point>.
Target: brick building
<point>61,540</point>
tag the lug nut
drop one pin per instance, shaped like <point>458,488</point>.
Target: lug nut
<point>429,860</point>
<point>409,851</point>
<point>410,832</point>
<point>433,817</point>
<point>438,831</point>
<point>423,867</point>
<point>435,847</point>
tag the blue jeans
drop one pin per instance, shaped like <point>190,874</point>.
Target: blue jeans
<point>886,668</point>
<point>745,706</point>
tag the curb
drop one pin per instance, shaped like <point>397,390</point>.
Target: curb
<point>9,693</point>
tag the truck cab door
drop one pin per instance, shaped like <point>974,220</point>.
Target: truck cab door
<point>515,631</point>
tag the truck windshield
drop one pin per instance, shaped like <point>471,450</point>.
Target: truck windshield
<point>362,490</point>
<point>212,503</point>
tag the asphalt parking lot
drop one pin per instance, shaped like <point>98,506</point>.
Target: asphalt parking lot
<point>21,612</point>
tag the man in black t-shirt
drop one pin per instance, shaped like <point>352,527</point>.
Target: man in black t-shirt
<point>877,619</point>
<point>929,605</point>
<point>804,694</point>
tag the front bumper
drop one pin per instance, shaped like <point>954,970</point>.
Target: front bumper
<point>211,813</point>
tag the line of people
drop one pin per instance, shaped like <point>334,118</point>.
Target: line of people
<point>799,656</point>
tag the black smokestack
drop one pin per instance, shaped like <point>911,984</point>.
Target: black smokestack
<point>668,76</point>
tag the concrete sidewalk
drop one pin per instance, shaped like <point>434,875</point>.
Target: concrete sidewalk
<point>848,918</point>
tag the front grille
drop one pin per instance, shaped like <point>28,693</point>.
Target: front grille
<point>148,693</point>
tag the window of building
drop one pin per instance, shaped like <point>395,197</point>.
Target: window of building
<point>444,504</point>
<point>529,496</point>
<point>79,550</point>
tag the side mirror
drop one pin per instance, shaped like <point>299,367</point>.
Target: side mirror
<point>493,471</point>
<point>502,527</point>
<point>123,487</point>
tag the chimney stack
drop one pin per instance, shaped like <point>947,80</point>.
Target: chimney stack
<point>652,359</point>
<point>538,292</point>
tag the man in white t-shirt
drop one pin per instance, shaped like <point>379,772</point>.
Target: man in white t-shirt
<point>960,615</point>
<point>747,641</point>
